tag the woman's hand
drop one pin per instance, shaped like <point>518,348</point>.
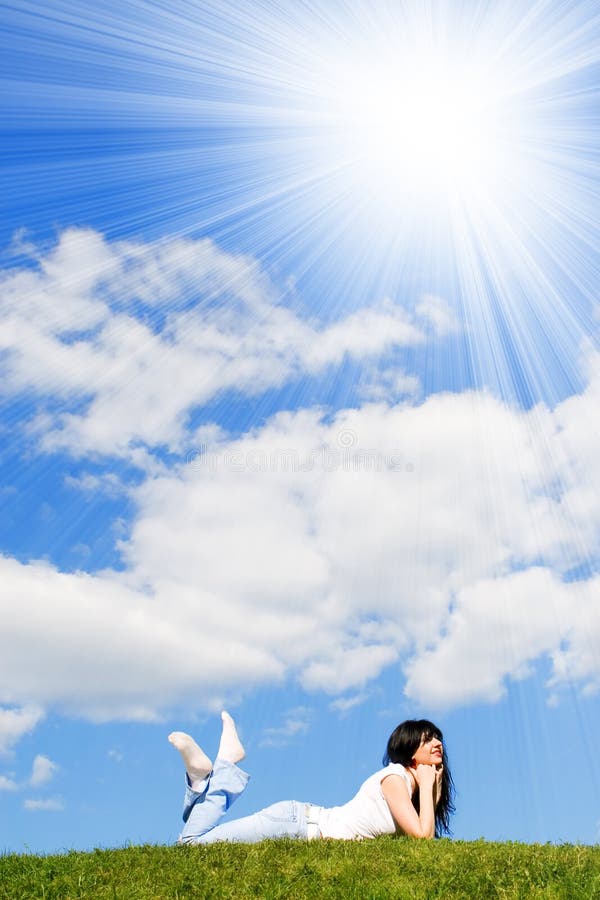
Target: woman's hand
<point>425,776</point>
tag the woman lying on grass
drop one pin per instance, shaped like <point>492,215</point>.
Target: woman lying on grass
<point>412,795</point>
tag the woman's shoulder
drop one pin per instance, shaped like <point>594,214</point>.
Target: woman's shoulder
<point>395,769</point>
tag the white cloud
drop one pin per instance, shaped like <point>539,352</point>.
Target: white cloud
<point>17,722</point>
<point>331,572</point>
<point>390,383</point>
<point>7,784</point>
<point>110,651</point>
<point>366,333</point>
<point>325,548</point>
<point>438,313</point>
<point>497,629</point>
<point>43,770</point>
<point>296,722</point>
<point>143,333</point>
<point>348,667</point>
<point>52,804</point>
<point>108,483</point>
<point>343,705</point>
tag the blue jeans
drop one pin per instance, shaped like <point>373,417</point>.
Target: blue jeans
<point>203,809</point>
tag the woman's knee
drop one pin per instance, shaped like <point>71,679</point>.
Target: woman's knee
<point>284,811</point>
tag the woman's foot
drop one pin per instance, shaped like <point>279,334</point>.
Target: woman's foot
<point>230,748</point>
<point>197,763</point>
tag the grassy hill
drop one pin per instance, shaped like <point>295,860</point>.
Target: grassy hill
<point>385,868</point>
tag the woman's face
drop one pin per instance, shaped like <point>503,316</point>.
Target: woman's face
<point>429,753</point>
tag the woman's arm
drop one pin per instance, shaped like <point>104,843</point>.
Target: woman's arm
<point>395,791</point>
<point>437,787</point>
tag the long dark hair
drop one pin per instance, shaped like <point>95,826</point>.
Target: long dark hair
<point>401,746</point>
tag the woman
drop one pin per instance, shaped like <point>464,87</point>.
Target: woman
<point>411,795</point>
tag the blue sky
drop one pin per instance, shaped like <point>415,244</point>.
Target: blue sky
<point>300,379</point>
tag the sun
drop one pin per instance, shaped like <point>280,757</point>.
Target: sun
<point>430,128</point>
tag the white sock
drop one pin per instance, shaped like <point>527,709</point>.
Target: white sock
<point>197,763</point>
<point>230,748</point>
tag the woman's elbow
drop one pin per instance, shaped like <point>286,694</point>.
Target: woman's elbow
<point>419,834</point>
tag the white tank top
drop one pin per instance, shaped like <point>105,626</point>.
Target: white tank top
<point>367,815</point>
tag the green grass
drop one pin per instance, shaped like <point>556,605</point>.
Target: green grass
<point>384,868</point>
